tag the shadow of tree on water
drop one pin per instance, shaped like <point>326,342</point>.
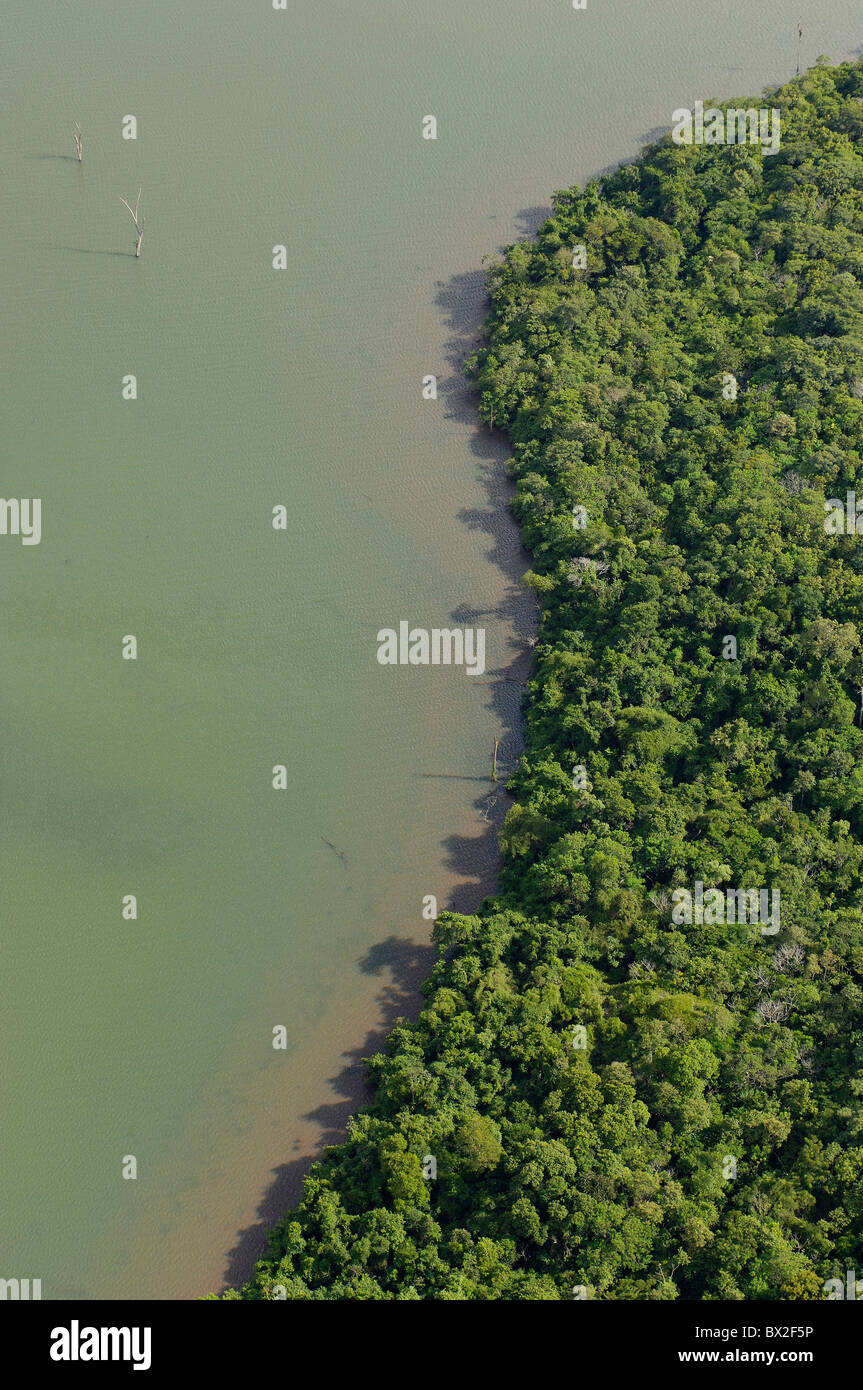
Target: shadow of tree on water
<point>402,964</point>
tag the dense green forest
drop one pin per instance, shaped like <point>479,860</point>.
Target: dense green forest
<point>621,1104</point>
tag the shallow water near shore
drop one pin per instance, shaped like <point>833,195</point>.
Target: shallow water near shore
<point>259,908</point>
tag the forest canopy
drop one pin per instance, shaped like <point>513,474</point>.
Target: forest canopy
<point>620,1104</point>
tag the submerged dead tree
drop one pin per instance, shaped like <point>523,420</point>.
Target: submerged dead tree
<point>79,142</point>
<point>139,226</point>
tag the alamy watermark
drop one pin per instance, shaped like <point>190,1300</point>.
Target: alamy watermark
<point>851,1290</point>
<point>438,646</point>
<point>715,906</point>
<point>20,1289</point>
<point>844,518</point>
<point>21,516</point>
<point>736,126</point>
<point>77,1343</point>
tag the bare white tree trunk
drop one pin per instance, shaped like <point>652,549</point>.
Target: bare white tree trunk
<point>79,142</point>
<point>139,225</point>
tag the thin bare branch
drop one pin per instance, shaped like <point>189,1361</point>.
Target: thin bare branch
<point>139,225</point>
<point>133,215</point>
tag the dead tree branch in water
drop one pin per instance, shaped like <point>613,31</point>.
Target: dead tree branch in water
<point>139,226</point>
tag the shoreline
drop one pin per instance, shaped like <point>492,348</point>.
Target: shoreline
<point>470,857</point>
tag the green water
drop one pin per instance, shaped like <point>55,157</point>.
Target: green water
<point>256,647</point>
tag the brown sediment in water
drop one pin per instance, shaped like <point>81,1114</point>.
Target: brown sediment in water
<point>399,965</point>
<point>470,861</point>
